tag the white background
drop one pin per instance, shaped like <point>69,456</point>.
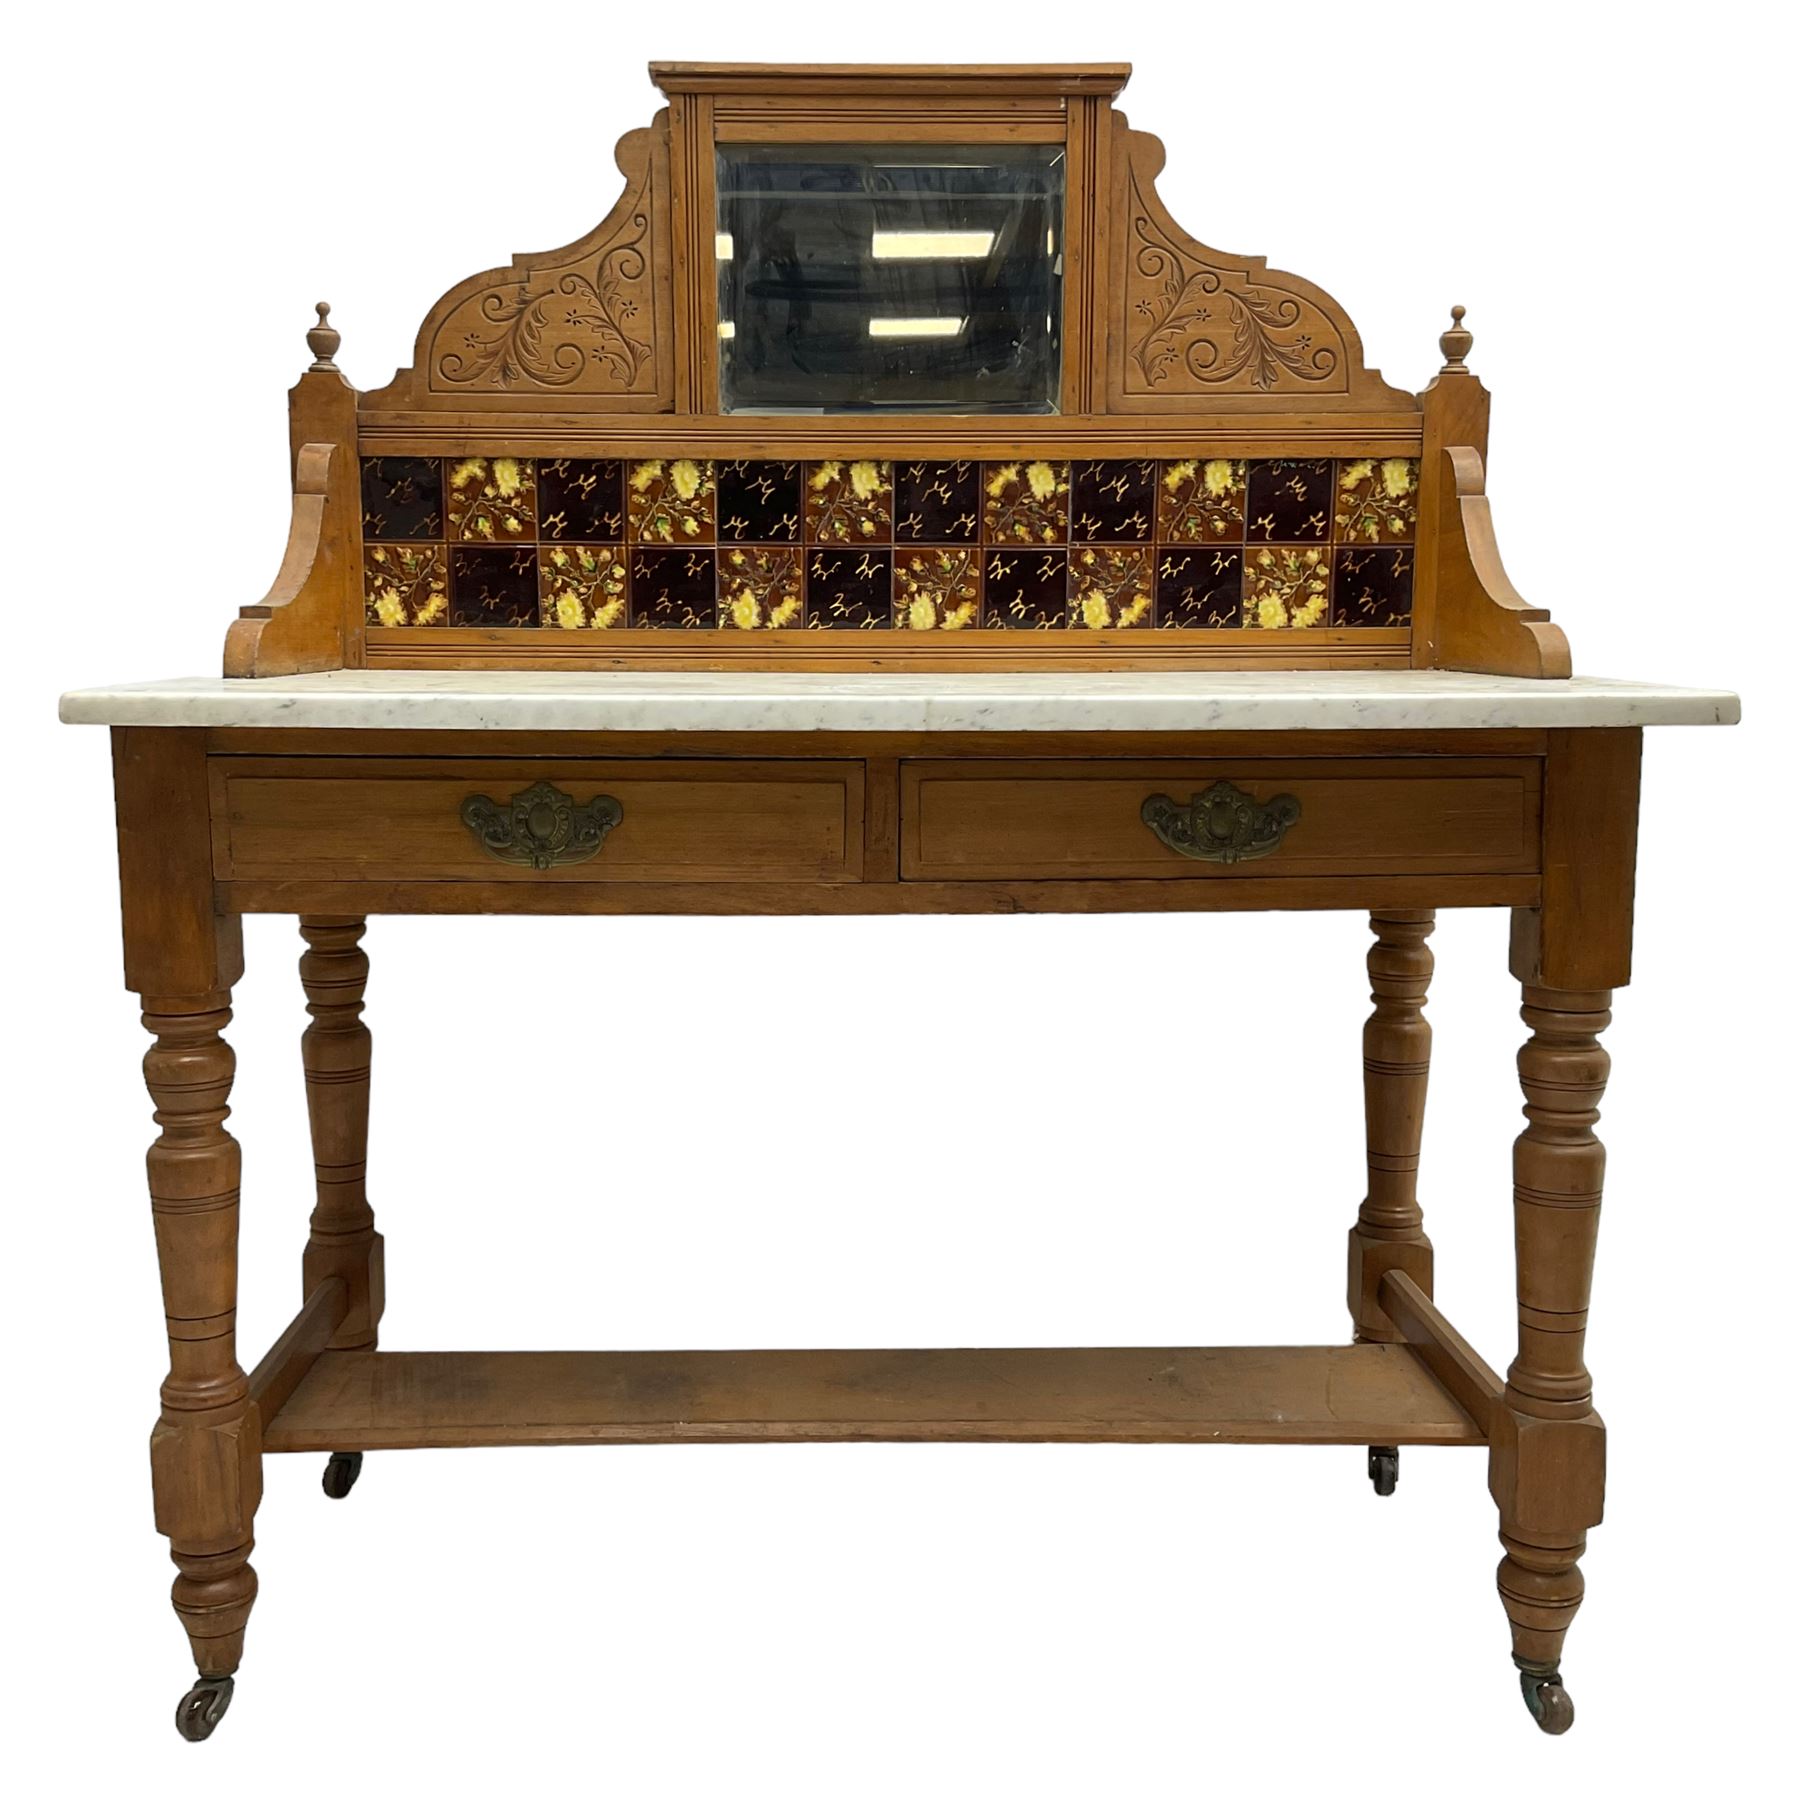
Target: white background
<point>651,1132</point>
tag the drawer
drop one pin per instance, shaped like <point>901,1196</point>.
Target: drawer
<point>477,819</point>
<point>1050,821</point>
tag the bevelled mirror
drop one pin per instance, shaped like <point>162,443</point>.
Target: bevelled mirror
<point>895,278</point>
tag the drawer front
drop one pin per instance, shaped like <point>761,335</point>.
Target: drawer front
<point>472,819</point>
<point>1091,821</point>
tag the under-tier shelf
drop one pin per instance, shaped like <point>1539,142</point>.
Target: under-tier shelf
<point>1332,1394</point>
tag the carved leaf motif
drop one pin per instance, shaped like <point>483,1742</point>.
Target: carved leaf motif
<point>584,328</point>
<point>1214,327</point>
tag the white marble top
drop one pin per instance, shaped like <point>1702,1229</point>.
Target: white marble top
<point>1395,700</point>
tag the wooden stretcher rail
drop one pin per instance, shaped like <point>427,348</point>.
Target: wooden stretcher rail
<point>293,1353</point>
<point>1442,1348</point>
<point>1332,1394</point>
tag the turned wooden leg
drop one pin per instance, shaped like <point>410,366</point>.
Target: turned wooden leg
<point>1389,1232</point>
<point>334,970</point>
<point>1547,1461</point>
<point>344,1243</point>
<point>206,1450</point>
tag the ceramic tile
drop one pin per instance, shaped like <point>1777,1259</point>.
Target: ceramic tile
<point>1289,502</point>
<point>937,502</point>
<point>1200,588</point>
<point>759,502</point>
<point>1286,585</point>
<point>670,501</point>
<point>582,586</point>
<point>674,588</point>
<point>1201,501</point>
<point>850,502</point>
<point>492,500</point>
<point>850,590</point>
<point>1373,587</point>
<point>759,586</point>
<point>1377,501</point>
<point>493,586</point>
<point>1025,503</point>
<point>402,497</point>
<point>937,587</point>
<point>405,584</point>
<point>1110,586</point>
<point>1025,589</point>
<point>580,500</point>
<point>1114,502</point>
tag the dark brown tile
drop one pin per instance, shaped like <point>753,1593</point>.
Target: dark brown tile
<point>670,501</point>
<point>759,502</point>
<point>1025,589</point>
<point>937,502</point>
<point>492,500</point>
<point>405,584</point>
<point>849,502</point>
<point>1114,503</point>
<point>1111,586</point>
<point>1373,587</point>
<point>759,586</point>
<point>493,586</point>
<point>402,497</point>
<point>1199,588</point>
<point>1201,501</point>
<point>849,590</point>
<point>1286,585</point>
<point>1377,500</point>
<point>582,586</point>
<point>581,500</point>
<point>1025,503</point>
<point>1289,501</point>
<point>937,587</point>
<point>674,588</point>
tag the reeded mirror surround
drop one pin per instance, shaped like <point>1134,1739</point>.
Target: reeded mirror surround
<point>907,278</point>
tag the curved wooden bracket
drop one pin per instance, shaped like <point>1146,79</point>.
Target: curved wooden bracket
<point>297,628</point>
<point>583,327</point>
<point>1194,327</point>
<point>1482,622</point>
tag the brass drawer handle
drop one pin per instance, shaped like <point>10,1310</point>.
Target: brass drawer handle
<point>1223,825</point>
<point>541,825</point>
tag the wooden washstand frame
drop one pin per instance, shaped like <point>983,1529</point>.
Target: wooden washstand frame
<point>219,820</point>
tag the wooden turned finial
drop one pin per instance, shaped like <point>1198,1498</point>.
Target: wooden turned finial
<point>323,341</point>
<point>1456,343</point>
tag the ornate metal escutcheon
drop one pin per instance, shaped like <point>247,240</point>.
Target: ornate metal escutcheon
<point>541,826</point>
<point>1223,825</point>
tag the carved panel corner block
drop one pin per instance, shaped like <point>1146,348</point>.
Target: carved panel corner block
<point>582,322</point>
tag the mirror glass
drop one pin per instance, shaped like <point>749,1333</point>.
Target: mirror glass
<point>906,278</point>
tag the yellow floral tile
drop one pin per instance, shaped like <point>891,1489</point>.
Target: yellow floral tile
<point>405,584</point>
<point>850,502</point>
<point>1110,586</point>
<point>581,586</point>
<point>1377,500</point>
<point>492,500</point>
<point>1201,501</point>
<point>670,502</point>
<point>759,588</point>
<point>937,587</point>
<point>1025,503</point>
<point>1286,585</point>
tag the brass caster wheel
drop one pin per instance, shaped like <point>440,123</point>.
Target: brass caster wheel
<point>1384,1468</point>
<point>1547,1700</point>
<point>202,1707</point>
<point>341,1471</point>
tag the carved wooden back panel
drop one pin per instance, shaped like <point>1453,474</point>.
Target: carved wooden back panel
<point>552,481</point>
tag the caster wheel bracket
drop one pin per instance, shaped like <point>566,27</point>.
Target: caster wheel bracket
<point>203,1706</point>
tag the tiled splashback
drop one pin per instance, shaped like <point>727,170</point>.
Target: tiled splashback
<point>1201,544</point>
